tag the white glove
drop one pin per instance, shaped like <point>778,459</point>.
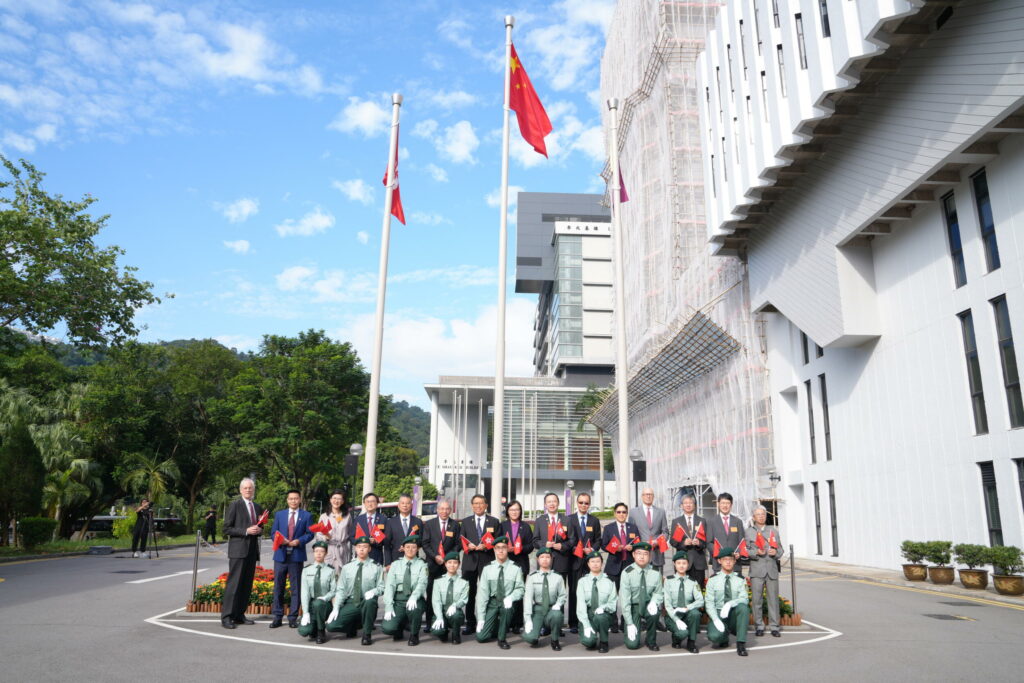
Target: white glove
<point>588,632</point>
<point>718,624</point>
<point>599,610</point>
<point>508,603</point>
<point>725,610</point>
<point>556,608</point>
<point>528,625</point>
<point>680,625</point>
<point>631,631</point>
<point>680,610</point>
<point>438,624</point>
<point>450,611</point>
<point>388,615</point>
<point>305,619</point>
<point>333,615</point>
<point>320,597</point>
<point>411,604</point>
<point>370,594</point>
<point>652,608</point>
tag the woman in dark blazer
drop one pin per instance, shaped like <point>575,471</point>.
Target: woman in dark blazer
<point>515,527</point>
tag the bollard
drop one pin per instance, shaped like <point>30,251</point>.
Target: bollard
<point>792,576</point>
<point>195,566</point>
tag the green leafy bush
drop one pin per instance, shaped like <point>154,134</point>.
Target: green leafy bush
<point>123,528</point>
<point>1005,560</point>
<point>971,554</point>
<point>938,552</point>
<point>913,551</point>
<point>36,530</point>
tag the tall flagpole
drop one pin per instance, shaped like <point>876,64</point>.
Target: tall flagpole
<point>623,472</point>
<point>370,464</point>
<point>499,361</point>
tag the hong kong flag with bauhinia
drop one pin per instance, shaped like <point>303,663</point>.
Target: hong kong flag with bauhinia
<point>533,121</point>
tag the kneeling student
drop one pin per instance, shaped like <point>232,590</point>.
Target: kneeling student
<point>543,602</point>
<point>595,604</point>
<point>640,597</point>
<point>355,602</point>
<point>683,601</point>
<point>318,587</point>
<point>727,605</point>
<point>501,585</point>
<point>404,592</point>
<point>451,593</point>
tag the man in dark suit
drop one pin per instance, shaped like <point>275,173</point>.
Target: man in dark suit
<point>243,554</point>
<point>399,528</point>
<point>440,537</point>
<point>293,524</point>
<point>587,529</point>
<point>368,520</point>
<point>562,540</point>
<point>690,522</point>
<point>477,555</point>
<point>727,529</point>
<point>627,534</point>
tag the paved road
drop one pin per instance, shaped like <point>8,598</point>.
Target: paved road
<point>77,619</point>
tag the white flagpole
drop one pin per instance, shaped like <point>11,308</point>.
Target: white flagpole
<point>499,370</point>
<point>623,473</point>
<point>370,464</point>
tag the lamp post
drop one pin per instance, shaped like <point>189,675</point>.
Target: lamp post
<point>355,452</point>
<point>570,492</point>
<point>774,477</point>
<point>639,472</point>
<point>417,495</point>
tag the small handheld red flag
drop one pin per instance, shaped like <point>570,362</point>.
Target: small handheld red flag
<point>759,542</point>
<point>377,534</point>
<point>322,528</point>
<point>533,121</point>
<point>660,543</point>
<point>560,530</point>
<point>614,545</point>
<point>700,536</point>
<point>396,198</point>
<point>742,548</point>
<point>772,541</point>
<point>517,547</point>
<point>588,548</point>
<point>578,550</point>
<point>440,548</point>
<point>488,540</point>
<point>716,549</point>
<point>360,531</point>
<point>465,544</point>
<point>263,518</point>
<point>279,540</point>
<point>679,534</point>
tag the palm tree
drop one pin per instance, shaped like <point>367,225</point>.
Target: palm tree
<point>588,404</point>
<point>149,474</point>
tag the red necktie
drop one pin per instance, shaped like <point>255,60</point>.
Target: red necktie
<point>622,539</point>
<point>650,522</point>
<point>252,513</point>
<point>725,524</point>
<point>291,525</point>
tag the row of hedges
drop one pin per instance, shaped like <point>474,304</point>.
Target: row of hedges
<point>1005,560</point>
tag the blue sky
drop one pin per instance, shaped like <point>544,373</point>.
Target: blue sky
<point>239,149</point>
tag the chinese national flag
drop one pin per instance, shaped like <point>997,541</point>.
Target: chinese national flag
<point>661,543</point>
<point>377,534</point>
<point>518,546</point>
<point>263,518</point>
<point>551,531</point>
<point>759,542</point>
<point>700,536</point>
<point>614,546</point>
<point>716,549</point>
<point>522,99</point>
<point>578,550</point>
<point>396,198</point>
<point>588,548</point>
<point>742,548</point>
<point>440,548</point>
<point>772,541</point>
<point>679,534</point>
<point>488,540</point>
<point>465,544</point>
<point>279,540</point>
<point>360,531</point>
<point>324,528</point>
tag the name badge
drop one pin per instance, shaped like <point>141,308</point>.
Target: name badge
<point>733,529</point>
<point>448,534</point>
<point>590,528</point>
<point>632,535</point>
<point>415,527</point>
<point>490,530</point>
<point>381,526</point>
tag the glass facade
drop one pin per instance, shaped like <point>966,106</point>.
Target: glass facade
<point>567,300</point>
<point>542,430</point>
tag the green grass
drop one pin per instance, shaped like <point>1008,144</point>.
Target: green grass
<point>77,546</point>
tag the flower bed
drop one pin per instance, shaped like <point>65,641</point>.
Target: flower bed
<point>210,596</point>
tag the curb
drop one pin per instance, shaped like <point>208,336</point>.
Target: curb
<point>77,553</point>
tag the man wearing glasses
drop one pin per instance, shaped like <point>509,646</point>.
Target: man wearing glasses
<point>617,539</point>
<point>588,534</point>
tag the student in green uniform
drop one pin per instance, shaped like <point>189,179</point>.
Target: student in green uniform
<point>727,605</point>
<point>596,601</point>
<point>318,587</point>
<point>640,598</point>
<point>355,602</point>
<point>501,584</point>
<point>451,594</point>
<point>405,593</point>
<point>683,601</point>
<point>544,601</point>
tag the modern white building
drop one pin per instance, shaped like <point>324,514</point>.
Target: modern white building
<point>865,160</point>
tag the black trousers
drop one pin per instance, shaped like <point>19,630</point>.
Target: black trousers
<point>574,579</point>
<point>472,577</point>
<point>697,575</point>
<point>140,536</point>
<point>238,588</point>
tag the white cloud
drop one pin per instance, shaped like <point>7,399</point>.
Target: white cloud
<point>437,173</point>
<point>314,222</point>
<point>339,286</point>
<point>239,342</point>
<point>21,143</point>
<point>493,198</point>
<point>458,143</point>
<point>365,116</point>
<point>239,210</point>
<point>591,142</point>
<point>294,278</point>
<point>595,12</point>
<point>363,237</point>
<point>428,218</point>
<point>453,99</point>
<point>425,128</point>
<point>46,132</point>
<point>356,190</point>
<point>452,276</point>
<point>238,246</point>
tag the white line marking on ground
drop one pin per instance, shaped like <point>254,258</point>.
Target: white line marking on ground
<point>158,620</point>
<point>165,576</point>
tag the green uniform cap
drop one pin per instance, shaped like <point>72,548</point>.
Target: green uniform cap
<point>411,539</point>
<point>592,554</point>
<point>727,550</point>
<point>501,539</point>
<point>681,555</point>
<point>453,555</point>
<point>642,545</point>
<point>320,544</point>
<point>361,539</point>
<point>543,551</point>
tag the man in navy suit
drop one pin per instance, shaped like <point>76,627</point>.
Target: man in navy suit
<point>627,534</point>
<point>368,520</point>
<point>477,555</point>
<point>727,529</point>
<point>293,524</point>
<point>587,529</point>
<point>399,528</point>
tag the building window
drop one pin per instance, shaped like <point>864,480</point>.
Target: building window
<point>775,12</point>
<point>803,348</point>
<point>956,247</point>
<point>974,373</point>
<point>988,226</point>
<point>988,490</point>
<point>801,47</point>
<point>832,511</point>
<point>728,55</point>
<point>743,50</point>
<point>1008,359</point>
<point>810,420</point>
<point>764,96</point>
<point>725,163</point>
<point>757,26</point>
<point>718,89</point>
<point>782,69</point>
<point>714,186</point>
<point>824,416</point>
<point>826,30</point>
<point>1020,478</point>
<point>817,516</point>
<point>818,351</point>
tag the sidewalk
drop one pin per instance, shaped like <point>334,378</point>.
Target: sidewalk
<point>896,578</point>
<point>78,553</point>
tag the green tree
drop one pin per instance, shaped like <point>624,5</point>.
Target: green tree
<point>51,270</point>
<point>21,467</point>
<point>146,473</point>
<point>395,458</point>
<point>589,403</point>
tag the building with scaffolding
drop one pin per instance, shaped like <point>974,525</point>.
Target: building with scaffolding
<point>865,160</point>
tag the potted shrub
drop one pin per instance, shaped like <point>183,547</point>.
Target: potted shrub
<point>1007,565</point>
<point>913,553</point>
<point>973,556</point>
<point>939,553</point>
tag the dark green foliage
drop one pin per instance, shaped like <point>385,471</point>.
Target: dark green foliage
<point>36,530</point>
<point>413,425</point>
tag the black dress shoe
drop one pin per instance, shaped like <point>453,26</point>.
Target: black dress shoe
<point>574,629</point>
<point>243,620</point>
<point>677,645</point>
<point>426,629</point>
<point>759,632</point>
<point>661,626</point>
<point>276,623</point>
<point>516,630</point>
<point>545,631</point>
<point>367,640</point>
<point>227,622</point>
<point>468,630</point>
<point>293,623</point>
<point>312,636</point>
<point>414,640</point>
<point>321,638</point>
<point>456,638</point>
<point>503,644</point>
<point>556,646</point>
<point>602,648</point>
<point>443,637</point>
<point>653,648</point>
<point>615,629</point>
<point>691,646</point>
<point>397,637</point>
<point>741,649</point>
<point>775,633</point>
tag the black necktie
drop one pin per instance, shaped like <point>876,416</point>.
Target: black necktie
<point>728,587</point>
<point>595,597</point>
<point>545,600</point>
<point>501,582</point>
<point>449,597</point>
<point>358,585</point>
<point>316,583</point>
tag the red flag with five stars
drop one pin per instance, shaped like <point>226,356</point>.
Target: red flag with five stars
<point>396,198</point>
<point>522,99</point>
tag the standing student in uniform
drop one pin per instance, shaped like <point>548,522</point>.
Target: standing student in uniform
<point>360,585</point>
<point>596,600</point>
<point>243,532</point>
<point>440,537</point>
<point>641,597</point>
<point>293,524</point>
<point>764,543</point>
<point>587,529</point>
<point>543,602</point>
<point>683,600</point>
<point>520,536</point>
<point>625,534</point>
<point>319,584</point>
<point>450,597</point>
<point>477,555</point>
<point>501,585</point>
